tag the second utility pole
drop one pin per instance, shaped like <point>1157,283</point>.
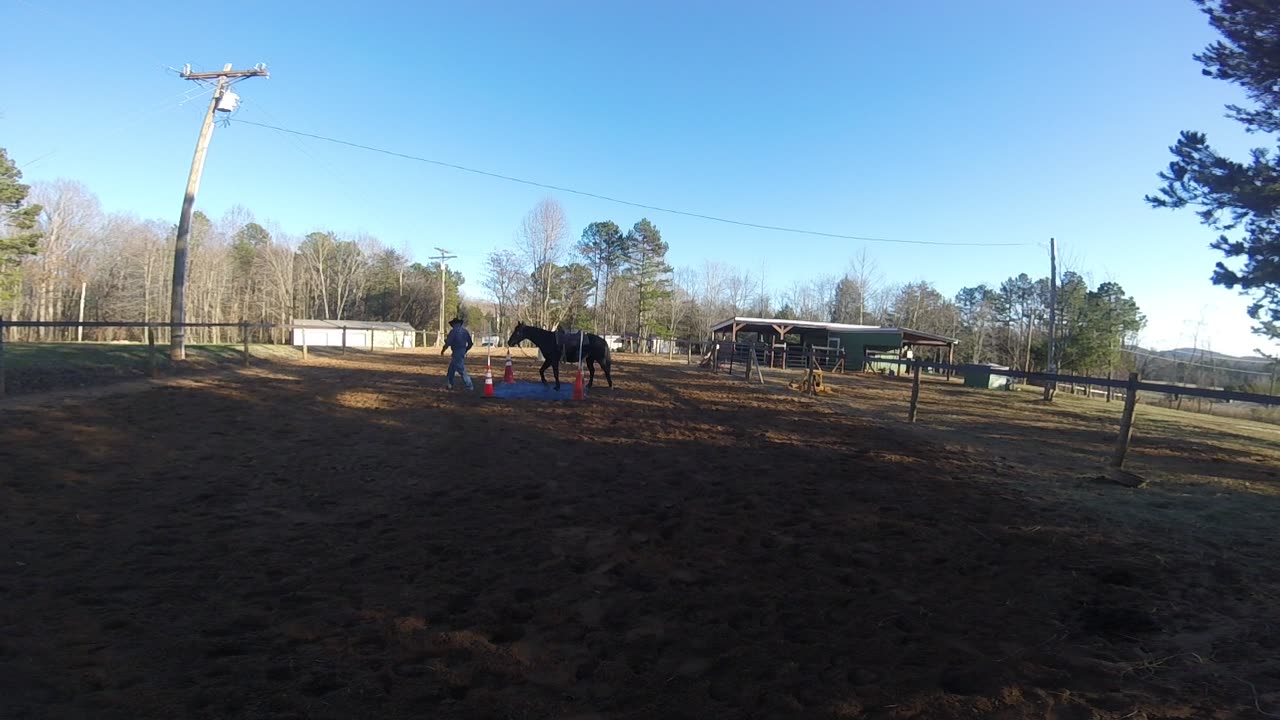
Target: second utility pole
<point>177,301</point>
<point>1050,386</point>
<point>442,257</point>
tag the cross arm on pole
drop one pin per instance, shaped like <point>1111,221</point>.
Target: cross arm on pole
<point>260,71</point>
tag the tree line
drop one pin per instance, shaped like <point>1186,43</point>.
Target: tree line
<point>619,282</point>
<point>610,281</point>
<point>58,249</point>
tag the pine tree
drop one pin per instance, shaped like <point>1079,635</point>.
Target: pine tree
<point>604,247</point>
<point>19,238</point>
<point>1232,196</point>
<point>649,271</point>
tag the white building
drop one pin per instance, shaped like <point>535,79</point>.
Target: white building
<point>359,334</point>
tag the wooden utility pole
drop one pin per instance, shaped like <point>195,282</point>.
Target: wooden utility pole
<point>1275,364</point>
<point>80,327</point>
<point>1,355</point>
<point>442,258</point>
<point>177,302</point>
<point>1049,385</point>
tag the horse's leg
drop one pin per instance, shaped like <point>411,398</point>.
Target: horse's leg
<point>542,373</point>
<point>606,364</point>
<point>591,370</point>
<point>555,370</point>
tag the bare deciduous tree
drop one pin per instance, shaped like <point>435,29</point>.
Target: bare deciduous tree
<point>542,238</point>
<point>70,220</point>
<point>505,280</point>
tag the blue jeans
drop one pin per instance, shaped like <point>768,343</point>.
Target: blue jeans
<point>456,366</point>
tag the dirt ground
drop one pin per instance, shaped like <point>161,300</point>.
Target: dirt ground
<point>346,539</point>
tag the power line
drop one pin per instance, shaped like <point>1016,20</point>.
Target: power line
<point>643,206</point>
<point>360,189</point>
<point>1176,361</point>
<point>134,119</point>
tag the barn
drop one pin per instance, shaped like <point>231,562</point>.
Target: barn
<point>353,334</point>
<point>857,345</point>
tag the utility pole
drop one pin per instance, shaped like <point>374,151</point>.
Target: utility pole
<point>80,328</point>
<point>1275,364</point>
<point>1049,385</point>
<point>225,101</point>
<point>441,258</point>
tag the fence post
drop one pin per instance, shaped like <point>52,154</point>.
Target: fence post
<point>304,343</point>
<point>689,361</point>
<point>244,335</point>
<point>151,351</point>
<point>715,356</point>
<point>344,339</point>
<point>1,355</point>
<point>813,371</point>
<point>1126,421</point>
<point>755,364</point>
<point>915,392</point>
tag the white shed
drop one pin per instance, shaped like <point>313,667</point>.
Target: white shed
<point>359,334</point>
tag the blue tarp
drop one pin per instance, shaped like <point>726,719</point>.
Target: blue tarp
<point>524,390</point>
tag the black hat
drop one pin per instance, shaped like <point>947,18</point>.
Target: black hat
<point>455,321</point>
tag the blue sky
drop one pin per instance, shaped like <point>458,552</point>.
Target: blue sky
<point>1000,121</point>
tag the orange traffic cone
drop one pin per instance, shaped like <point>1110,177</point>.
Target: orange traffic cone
<point>510,375</point>
<point>579,392</point>
<point>488,382</point>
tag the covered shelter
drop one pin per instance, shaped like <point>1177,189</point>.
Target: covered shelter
<point>858,346</point>
<point>353,334</point>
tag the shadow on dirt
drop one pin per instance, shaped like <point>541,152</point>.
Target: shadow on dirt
<point>358,543</point>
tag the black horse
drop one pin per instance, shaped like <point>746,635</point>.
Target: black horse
<point>562,345</point>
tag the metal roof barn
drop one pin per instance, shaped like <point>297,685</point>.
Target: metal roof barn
<point>854,344</point>
<point>353,334</point>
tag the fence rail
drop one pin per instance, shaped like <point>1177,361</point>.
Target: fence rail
<point>726,354</point>
<point>1131,387</point>
<point>132,325</point>
<point>1142,386</point>
<point>154,356</point>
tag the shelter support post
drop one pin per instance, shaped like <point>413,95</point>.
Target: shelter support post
<point>915,392</point>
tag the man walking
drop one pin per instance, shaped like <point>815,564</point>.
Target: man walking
<point>458,340</point>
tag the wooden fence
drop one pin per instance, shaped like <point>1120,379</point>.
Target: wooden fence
<point>1132,386</point>
<point>725,355</point>
<point>155,356</point>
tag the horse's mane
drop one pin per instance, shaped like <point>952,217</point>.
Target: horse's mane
<point>531,329</point>
<point>541,337</point>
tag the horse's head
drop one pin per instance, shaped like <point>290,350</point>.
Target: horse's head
<point>517,335</point>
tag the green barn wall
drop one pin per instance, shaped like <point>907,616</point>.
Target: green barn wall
<point>856,345</point>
